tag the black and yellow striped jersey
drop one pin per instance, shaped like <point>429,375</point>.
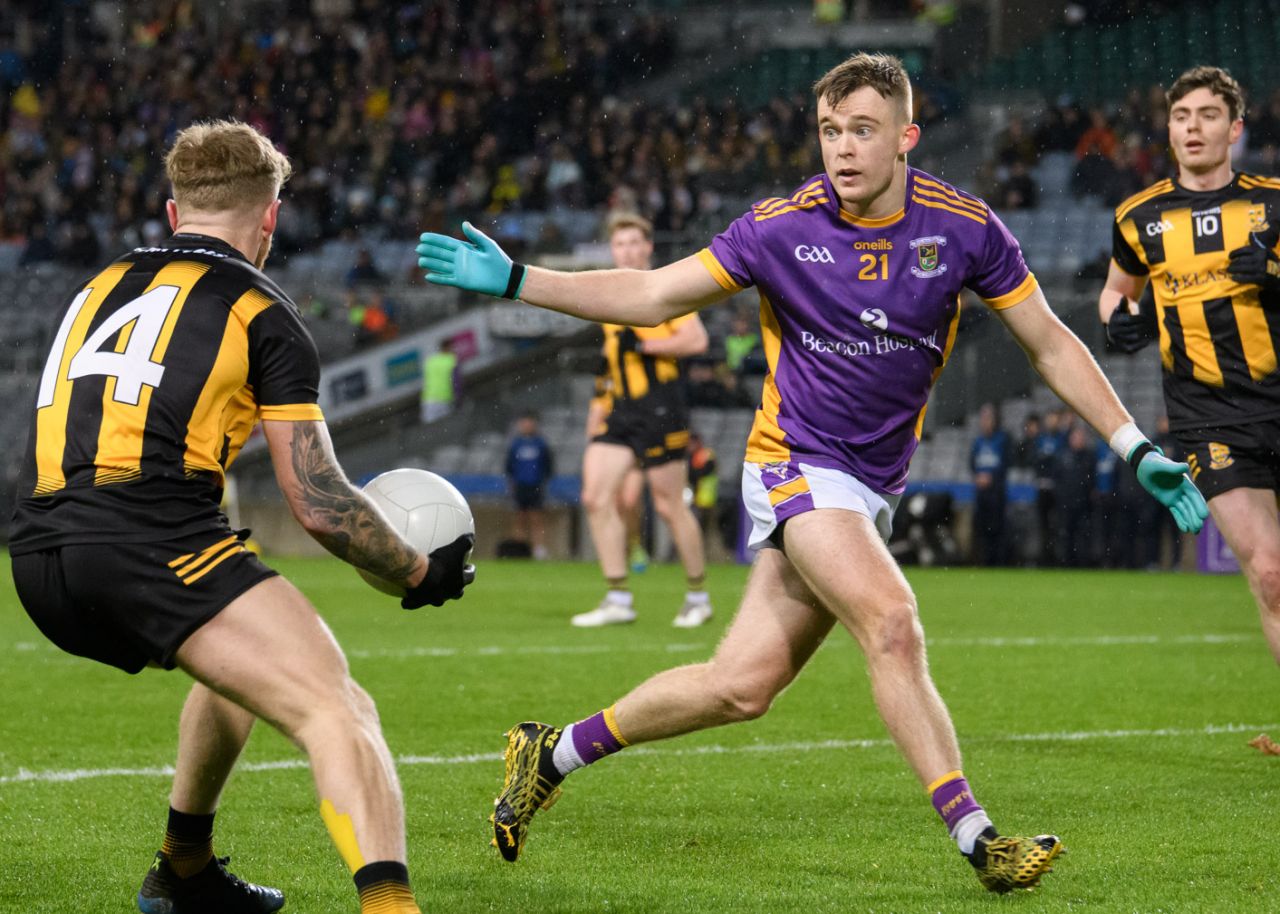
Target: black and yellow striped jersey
<point>634,377</point>
<point>1218,338</point>
<point>160,369</point>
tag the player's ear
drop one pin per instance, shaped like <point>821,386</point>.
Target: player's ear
<point>171,210</point>
<point>910,137</point>
<point>1237,128</point>
<point>270,217</point>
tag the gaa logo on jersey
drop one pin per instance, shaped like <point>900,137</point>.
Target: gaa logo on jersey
<point>812,253</point>
<point>1219,456</point>
<point>928,260</point>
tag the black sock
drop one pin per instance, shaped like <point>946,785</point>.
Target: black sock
<point>188,842</point>
<point>384,887</point>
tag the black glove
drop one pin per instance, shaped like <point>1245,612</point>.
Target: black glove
<point>1128,333</point>
<point>628,341</point>
<point>447,573</point>
<point>1256,264</point>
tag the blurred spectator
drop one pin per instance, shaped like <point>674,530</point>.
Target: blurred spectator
<point>1098,139</point>
<point>743,339</point>
<point>1075,468</point>
<point>529,467</point>
<point>439,382</point>
<point>39,247</point>
<point>704,480</point>
<point>1018,191</point>
<point>1048,443</point>
<point>989,460</point>
<point>1015,144</point>
<point>364,270</point>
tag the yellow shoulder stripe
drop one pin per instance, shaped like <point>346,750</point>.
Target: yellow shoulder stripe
<point>1155,190</point>
<point>977,209</point>
<point>951,192</point>
<point>951,209</point>
<point>808,204</point>
<point>717,271</point>
<point>799,197</point>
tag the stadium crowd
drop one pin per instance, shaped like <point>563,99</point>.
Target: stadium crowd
<point>499,104</point>
<point>1118,149</point>
<point>396,118</point>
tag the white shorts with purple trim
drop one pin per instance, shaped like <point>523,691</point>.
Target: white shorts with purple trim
<point>774,492</point>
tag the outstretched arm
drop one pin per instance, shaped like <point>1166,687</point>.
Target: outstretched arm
<point>1068,368</point>
<point>643,298</point>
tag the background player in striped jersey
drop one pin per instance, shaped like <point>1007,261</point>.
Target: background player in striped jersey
<point>859,274</point>
<point>1201,247</point>
<point>647,427</point>
<point>163,364</point>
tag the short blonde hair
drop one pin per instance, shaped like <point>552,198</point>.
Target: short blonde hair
<point>620,221</point>
<point>218,166</point>
<point>882,72</point>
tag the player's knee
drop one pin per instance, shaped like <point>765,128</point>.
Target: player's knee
<point>896,631</point>
<point>1265,572</point>
<point>340,707</point>
<point>597,500</point>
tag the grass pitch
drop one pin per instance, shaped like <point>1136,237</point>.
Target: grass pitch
<point>1111,708</point>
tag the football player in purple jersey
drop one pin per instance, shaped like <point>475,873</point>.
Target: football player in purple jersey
<point>859,273</point>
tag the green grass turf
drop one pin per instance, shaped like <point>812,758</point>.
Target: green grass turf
<point>1096,717</point>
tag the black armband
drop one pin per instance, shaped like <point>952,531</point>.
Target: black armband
<point>515,280</point>
<point>1142,450</point>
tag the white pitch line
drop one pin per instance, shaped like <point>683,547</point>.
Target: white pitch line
<point>25,776</point>
<point>429,651</point>
<point>684,647</point>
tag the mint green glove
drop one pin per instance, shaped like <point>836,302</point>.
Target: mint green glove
<point>1168,483</point>
<point>480,266</point>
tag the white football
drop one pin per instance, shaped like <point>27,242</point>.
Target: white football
<point>426,509</point>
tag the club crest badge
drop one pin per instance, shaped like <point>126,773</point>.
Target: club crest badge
<point>1219,456</point>
<point>1258,218</point>
<point>928,256</point>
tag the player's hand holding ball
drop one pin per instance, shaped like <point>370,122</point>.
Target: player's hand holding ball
<point>431,514</point>
<point>448,572</point>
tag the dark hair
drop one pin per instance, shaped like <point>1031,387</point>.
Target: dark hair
<point>1216,80</point>
<point>882,72</point>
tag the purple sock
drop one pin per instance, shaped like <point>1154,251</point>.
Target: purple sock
<point>953,799</point>
<point>597,736</point>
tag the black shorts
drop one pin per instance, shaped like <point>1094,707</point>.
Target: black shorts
<point>655,436</point>
<point>1229,457</point>
<point>130,604</point>
<point>529,497</point>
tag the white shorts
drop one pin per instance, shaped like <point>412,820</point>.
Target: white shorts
<point>774,492</point>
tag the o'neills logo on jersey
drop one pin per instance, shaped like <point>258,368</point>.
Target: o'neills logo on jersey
<point>880,244</point>
<point>928,260</point>
<point>880,344</point>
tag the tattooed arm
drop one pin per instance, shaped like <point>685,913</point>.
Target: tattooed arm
<point>331,509</point>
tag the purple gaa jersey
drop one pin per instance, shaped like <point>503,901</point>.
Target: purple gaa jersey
<point>858,316</point>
